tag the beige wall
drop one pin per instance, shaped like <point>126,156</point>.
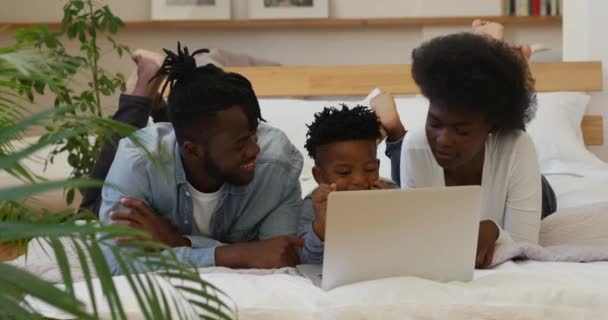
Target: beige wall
<point>301,46</point>
<point>295,46</point>
<point>585,26</point>
<point>50,10</point>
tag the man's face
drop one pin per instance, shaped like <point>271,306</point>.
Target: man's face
<point>455,138</point>
<point>231,149</point>
<point>351,165</point>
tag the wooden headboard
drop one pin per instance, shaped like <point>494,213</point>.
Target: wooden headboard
<point>359,80</point>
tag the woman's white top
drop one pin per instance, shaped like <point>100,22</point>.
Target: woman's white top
<point>511,180</point>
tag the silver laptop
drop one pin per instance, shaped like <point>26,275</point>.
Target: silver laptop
<point>425,232</point>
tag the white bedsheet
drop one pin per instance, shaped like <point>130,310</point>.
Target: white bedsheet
<point>525,290</point>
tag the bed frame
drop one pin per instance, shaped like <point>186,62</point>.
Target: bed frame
<point>359,80</point>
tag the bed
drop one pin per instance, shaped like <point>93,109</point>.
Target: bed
<point>512,290</point>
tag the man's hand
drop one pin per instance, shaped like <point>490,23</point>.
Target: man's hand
<point>319,203</point>
<point>488,234</point>
<point>141,217</point>
<point>380,185</point>
<point>273,253</point>
<point>386,110</point>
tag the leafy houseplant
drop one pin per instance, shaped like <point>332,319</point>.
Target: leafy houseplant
<point>87,22</point>
<point>176,291</point>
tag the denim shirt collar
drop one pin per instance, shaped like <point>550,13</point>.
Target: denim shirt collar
<point>180,173</point>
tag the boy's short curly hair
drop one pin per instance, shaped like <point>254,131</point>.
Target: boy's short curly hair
<point>476,74</point>
<point>337,125</point>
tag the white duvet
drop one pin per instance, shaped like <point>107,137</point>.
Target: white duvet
<point>532,289</point>
<point>526,290</point>
<point>578,234</point>
<point>512,290</point>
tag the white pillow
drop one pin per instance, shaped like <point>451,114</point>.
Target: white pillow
<point>292,116</point>
<point>556,129</point>
<point>412,111</point>
<point>556,132</point>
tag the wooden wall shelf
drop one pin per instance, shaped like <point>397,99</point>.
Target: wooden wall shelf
<point>316,23</point>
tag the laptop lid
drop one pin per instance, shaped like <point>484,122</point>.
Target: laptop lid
<point>424,232</point>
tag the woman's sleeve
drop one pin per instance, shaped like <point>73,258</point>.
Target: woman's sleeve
<point>408,162</point>
<point>524,195</point>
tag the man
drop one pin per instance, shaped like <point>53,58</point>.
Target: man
<point>221,188</point>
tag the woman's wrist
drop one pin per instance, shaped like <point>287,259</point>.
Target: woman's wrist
<point>395,132</point>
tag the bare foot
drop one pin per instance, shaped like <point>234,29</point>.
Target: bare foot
<point>497,31</point>
<point>148,63</point>
<point>489,28</point>
<point>525,50</point>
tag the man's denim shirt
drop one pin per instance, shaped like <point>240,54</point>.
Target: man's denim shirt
<point>267,207</point>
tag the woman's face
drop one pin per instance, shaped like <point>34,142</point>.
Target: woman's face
<point>455,138</point>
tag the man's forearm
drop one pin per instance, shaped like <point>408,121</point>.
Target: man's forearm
<point>231,256</point>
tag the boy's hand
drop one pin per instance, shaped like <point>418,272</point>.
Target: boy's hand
<point>319,203</point>
<point>386,110</point>
<point>380,185</point>
<point>488,234</point>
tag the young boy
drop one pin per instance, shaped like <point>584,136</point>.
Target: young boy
<point>343,143</point>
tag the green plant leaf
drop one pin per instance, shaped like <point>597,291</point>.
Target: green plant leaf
<point>6,133</point>
<point>37,288</point>
<point>86,271</point>
<point>21,192</point>
<point>39,86</point>
<point>78,4</point>
<point>64,265</point>
<point>39,63</point>
<point>69,198</point>
<point>10,160</point>
<point>9,307</point>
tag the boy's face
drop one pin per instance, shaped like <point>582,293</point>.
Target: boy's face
<point>351,165</point>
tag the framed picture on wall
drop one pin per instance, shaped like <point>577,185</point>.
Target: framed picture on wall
<point>190,9</point>
<point>277,9</point>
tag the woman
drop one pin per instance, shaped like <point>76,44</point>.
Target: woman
<point>481,95</point>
